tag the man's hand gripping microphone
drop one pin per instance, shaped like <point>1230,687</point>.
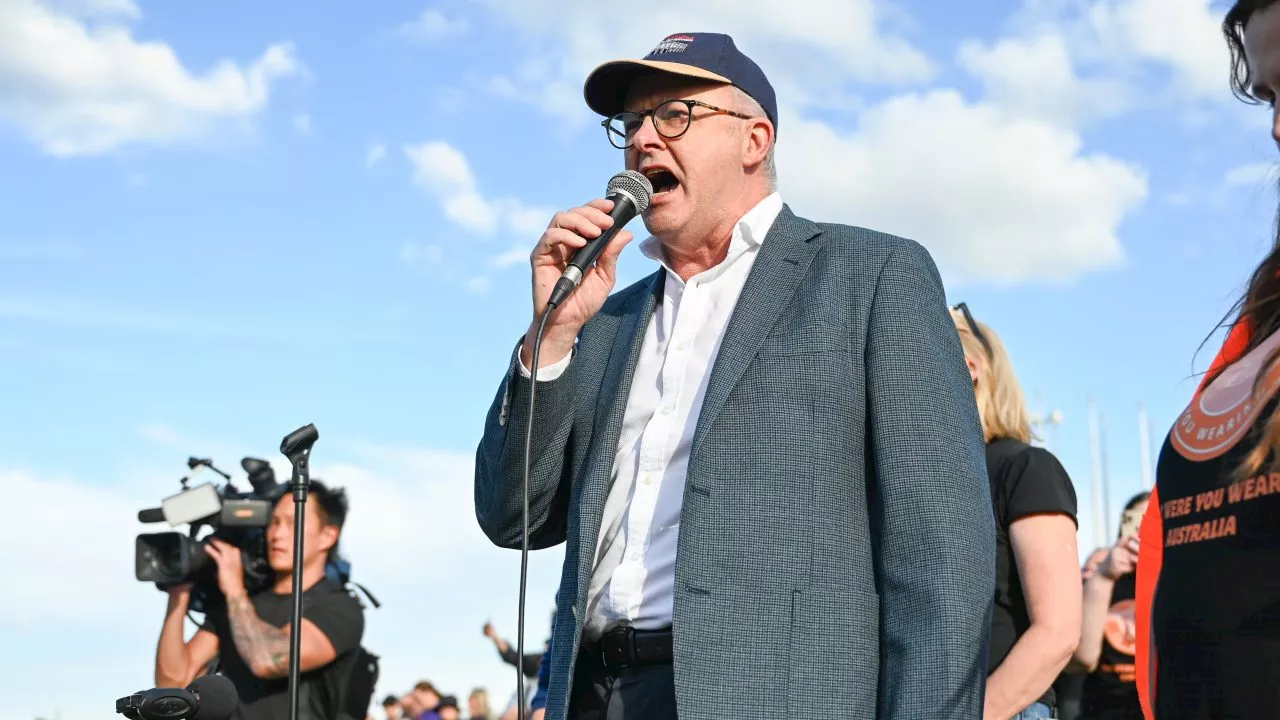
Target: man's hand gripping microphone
<point>630,192</point>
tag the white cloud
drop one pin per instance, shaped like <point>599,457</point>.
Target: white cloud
<point>515,256</point>
<point>479,285</point>
<point>1163,51</point>
<point>1252,174</point>
<point>1036,77</point>
<point>96,8</point>
<point>1001,189</point>
<point>432,26</point>
<point>376,154</point>
<point>1185,35</point>
<point>49,586</point>
<point>445,174</point>
<point>813,51</point>
<point>81,88</point>
<point>995,197</point>
<point>419,256</point>
<point>412,539</point>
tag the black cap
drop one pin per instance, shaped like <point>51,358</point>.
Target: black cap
<point>704,56</point>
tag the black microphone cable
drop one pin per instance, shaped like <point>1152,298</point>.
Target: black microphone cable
<point>524,535</point>
<point>627,185</point>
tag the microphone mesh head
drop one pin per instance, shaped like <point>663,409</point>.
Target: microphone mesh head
<point>218,697</point>
<point>635,185</point>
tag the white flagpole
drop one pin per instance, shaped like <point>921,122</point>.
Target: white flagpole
<point>1099,521</point>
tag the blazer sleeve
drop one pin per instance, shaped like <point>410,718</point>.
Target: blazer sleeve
<point>499,472</point>
<point>930,500</point>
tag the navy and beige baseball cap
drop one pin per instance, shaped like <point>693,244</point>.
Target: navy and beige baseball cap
<point>704,56</point>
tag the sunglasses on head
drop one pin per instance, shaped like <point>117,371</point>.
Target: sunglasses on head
<point>973,327</point>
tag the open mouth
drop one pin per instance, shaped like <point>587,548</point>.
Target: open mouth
<point>662,180</point>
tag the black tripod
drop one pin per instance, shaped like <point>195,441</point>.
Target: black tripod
<point>297,447</point>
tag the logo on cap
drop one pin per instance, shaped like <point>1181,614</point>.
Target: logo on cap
<point>672,43</point>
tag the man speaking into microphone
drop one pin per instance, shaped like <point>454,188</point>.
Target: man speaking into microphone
<point>765,457</point>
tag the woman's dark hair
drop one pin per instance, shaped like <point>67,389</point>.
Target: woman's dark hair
<point>1259,307</point>
<point>1136,499</point>
<point>1233,24</point>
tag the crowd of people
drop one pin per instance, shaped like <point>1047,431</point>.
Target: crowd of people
<point>425,702</point>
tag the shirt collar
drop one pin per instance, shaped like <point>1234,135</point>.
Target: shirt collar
<point>749,232</point>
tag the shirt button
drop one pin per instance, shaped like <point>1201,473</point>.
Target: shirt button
<point>635,556</point>
<point>666,410</point>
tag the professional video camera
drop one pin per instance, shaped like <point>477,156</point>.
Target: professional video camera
<point>237,518</point>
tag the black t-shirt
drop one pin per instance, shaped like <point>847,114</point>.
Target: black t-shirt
<point>1025,480</point>
<point>1215,617</point>
<point>1110,691</point>
<point>333,610</point>
<point>1067,690</point>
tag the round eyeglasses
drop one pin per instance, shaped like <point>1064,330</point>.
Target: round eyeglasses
<point>671,119</point>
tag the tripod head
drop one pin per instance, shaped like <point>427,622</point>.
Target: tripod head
<point>297,445</point>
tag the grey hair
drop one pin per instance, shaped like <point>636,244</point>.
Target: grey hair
<point>748,105</point>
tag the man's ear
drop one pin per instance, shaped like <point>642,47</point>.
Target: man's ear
<point>973,368</point>
<point>329,537</point>
<point>756,142</point>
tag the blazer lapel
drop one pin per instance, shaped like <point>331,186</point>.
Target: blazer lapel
<point>782,261</point>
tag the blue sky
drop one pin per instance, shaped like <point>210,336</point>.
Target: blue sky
<point>219,222</point>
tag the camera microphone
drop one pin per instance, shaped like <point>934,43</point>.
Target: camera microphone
<point>212,697</point>
<point>195,462</point>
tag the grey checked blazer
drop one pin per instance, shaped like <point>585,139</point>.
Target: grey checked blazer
<point>837,546</point>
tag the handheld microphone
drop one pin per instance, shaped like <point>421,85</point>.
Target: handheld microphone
<point>211,697</point>
<point>630,192</point>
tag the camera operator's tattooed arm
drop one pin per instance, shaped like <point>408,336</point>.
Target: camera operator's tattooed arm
<point>263,646</point>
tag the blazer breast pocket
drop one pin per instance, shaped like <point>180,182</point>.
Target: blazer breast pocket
<point>805,340</point>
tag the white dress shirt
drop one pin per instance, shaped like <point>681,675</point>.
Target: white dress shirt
<point>634,568</point>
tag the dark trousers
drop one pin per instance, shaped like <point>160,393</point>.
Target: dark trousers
<point>646,692</point>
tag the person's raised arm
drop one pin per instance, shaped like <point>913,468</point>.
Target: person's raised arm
<point>178,662</point>
<point>1121,560</point>
<point>263,647</point>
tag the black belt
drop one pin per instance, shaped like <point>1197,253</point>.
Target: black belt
<point>627,647</point>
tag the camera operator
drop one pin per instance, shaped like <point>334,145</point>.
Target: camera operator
<point>250,634</point>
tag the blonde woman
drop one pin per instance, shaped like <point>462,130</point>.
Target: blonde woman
<point>478,705</point>
<point>1036,623</point>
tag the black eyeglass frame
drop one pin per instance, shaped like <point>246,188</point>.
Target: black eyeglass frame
<point>651,113</point>
<point>973,328</point>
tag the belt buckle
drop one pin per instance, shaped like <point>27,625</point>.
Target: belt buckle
<point>627,642</point>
